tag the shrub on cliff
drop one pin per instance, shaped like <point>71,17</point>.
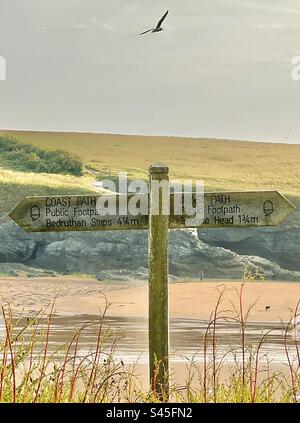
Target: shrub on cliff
<point>26,157</point>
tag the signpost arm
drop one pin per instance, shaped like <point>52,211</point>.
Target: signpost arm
<point>158,284</point>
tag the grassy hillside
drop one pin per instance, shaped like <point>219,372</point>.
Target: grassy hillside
<point>223,165</point>
<point>20,156</point>
<point>15,185</point>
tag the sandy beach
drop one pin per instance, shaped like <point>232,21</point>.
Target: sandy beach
<point>187,299</point>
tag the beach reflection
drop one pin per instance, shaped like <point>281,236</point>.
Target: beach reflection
<point>186,338</point>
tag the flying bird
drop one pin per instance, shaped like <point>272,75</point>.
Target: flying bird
<point>158,26</point>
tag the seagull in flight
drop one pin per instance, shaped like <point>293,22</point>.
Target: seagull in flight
<point>158,26</point>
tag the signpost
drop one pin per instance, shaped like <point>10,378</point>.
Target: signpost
<point>238,209</point>
<point>73,213</point>
<point>220,210</point>
<point>80,213</point>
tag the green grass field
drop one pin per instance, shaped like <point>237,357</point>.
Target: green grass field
<point>223,165</point>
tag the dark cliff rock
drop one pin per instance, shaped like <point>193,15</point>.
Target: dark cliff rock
<point>217,253</point>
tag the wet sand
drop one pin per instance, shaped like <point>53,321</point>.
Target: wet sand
<point>187,299</point>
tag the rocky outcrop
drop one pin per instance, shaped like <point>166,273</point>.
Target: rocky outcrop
<point>18,269</point>
<point>279,245</point>
<point>123,255</point>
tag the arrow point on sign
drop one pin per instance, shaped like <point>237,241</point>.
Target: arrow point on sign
<point>12,215</point>
<point>289,205</point>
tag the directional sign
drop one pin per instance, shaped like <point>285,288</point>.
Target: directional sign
<point>220,210</point>
<point>237,209</point>
<point>73,213</point>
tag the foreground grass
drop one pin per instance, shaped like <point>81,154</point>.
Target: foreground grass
<point>30,373</point>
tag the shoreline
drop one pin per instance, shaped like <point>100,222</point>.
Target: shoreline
<point>190,299</point>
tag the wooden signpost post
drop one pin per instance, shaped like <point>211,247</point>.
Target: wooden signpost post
<point>158,287</point>
<point>220,210</point>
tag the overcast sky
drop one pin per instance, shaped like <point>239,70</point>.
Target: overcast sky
<point>221,68</point>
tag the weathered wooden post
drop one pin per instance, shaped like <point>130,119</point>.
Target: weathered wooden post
<point>158,282</point>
